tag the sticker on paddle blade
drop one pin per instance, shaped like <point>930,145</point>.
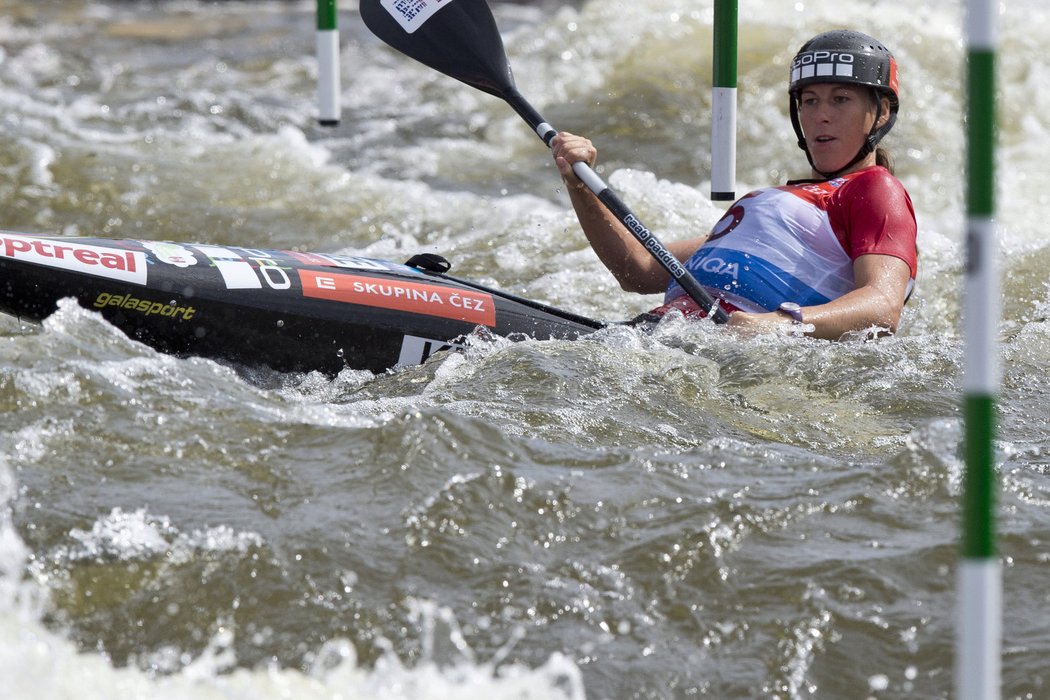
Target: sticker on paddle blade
<point>411,14</point>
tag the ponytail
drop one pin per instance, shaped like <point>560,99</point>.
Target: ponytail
<point>883,158</point>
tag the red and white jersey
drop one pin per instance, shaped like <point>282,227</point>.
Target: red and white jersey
<point>798,242</point>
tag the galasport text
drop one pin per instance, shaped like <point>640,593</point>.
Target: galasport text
<point>147,307</point>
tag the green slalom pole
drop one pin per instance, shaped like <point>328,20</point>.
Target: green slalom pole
<point>328,63</point>
<point>977,673</point>
<point>723,102</point>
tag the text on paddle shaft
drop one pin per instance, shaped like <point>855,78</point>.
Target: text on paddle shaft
<point>645,236</point>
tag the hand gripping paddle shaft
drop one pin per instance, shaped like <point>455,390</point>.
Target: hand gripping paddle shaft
<point>460,38</point>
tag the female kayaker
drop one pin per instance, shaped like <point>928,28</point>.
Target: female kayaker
<point>836,252</point>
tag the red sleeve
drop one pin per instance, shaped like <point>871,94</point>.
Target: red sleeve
<point>873,214</point>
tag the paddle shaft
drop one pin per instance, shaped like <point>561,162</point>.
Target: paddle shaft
<point>615,205</point>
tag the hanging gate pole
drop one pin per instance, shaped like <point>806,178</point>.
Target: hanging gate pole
<point>723,102</point>
<point>327,63</point>
<point>977,673</point>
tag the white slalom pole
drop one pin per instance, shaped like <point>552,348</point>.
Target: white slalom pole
<point>723,102</point>
<point>979,633</point>
<point>328,63</point>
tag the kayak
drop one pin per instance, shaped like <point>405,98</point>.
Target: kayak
<point>286,310</point>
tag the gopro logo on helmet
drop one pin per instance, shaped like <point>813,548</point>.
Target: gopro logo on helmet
<point>814,64</point>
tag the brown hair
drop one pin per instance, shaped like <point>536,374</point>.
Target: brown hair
<point>884,158</point>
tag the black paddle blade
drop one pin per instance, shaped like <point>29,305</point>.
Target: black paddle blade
<point>457,37</point>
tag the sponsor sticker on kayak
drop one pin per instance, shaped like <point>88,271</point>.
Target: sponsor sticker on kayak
<point>237,273</point>
<point>111,263</point>
<point>401,295</point>
<point>411,14</point>
<point>170,253</point>
<point>147,307</point>
<point>416,350</point>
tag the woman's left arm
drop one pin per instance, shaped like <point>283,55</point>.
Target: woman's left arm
<point>877,301</point>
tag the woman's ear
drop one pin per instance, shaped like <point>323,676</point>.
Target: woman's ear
<point>884,112</point>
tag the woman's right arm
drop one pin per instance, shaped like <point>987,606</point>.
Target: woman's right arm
<point>630,263</point>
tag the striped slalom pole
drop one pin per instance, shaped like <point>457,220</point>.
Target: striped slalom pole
<point>723,102</point>
<point>977,673</point>
<point>327,63</point>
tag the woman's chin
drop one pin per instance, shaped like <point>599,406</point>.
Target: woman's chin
<point>828,165</point>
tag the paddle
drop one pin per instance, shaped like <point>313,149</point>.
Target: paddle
<point>460,38</point>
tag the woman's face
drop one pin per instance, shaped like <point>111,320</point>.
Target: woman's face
<point>836,119</point>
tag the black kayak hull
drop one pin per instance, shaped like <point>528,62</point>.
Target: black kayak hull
<point>285,310</point>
